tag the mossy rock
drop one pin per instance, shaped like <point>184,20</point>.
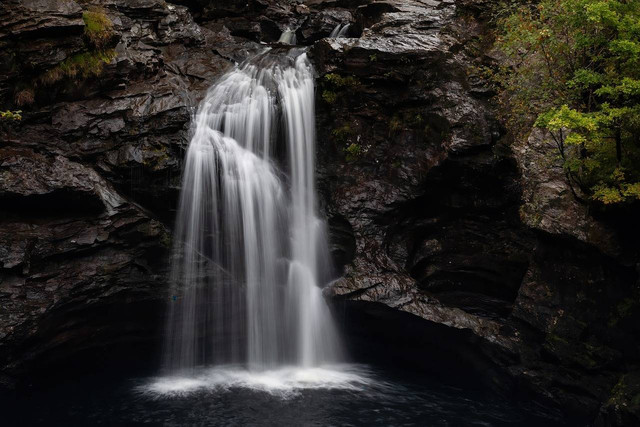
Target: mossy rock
<point>623,406</point>
<point>98,28</point>
<point>79,67</point>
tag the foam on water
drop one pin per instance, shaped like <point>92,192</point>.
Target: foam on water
<point>284,382</point>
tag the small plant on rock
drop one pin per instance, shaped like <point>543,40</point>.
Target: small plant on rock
<point>342,133</point>
<point>353,151</point>
<point>342,82</point>
<point>98,28</point>
<point>329,97</point>
<point>11,115</point>
<point>81,65</point>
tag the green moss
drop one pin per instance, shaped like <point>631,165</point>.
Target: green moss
<point>98,28</point>
<point>373,58</point>
<point>353,152</point>
<point>336,86</point>
<point>342,133</point>
<point>409,119</point>
<point>79,66</point>
<point>329,97</point>
<point>339,81</point>
<point>158,156</point>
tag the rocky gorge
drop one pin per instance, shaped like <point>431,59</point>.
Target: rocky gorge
<point>457,246</point>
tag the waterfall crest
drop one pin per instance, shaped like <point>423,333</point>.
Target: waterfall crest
<point>250,249</point>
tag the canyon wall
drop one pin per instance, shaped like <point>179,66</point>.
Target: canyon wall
<point>438,218</point>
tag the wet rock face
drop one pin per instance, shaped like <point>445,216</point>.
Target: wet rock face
<point>453,225</point>
<point>551,202</point>
<point>433,214</point>
<point>89,177</point>
<point>407,158</point>
<point>74,253</point>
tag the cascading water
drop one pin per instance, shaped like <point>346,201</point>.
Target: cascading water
<point>288,36</point>
<point>340,31</point>
<point>251,252</point>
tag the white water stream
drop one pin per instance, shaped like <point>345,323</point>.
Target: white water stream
<point>251,251</point>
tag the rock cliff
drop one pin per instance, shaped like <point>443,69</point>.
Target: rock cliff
<point>435,214</point>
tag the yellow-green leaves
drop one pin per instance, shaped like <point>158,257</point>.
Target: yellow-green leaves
<point>626,87</point>
<point>609,195</point>
<point>11,115</point>
<point>575,71</point>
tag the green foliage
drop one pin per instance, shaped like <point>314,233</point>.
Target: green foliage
<point>11,115</point>
<point>411,119</point>
<point>345,135</point>
<point>339,81</point>
<point>81,65</point>
<point>575,71</point>
<point>98,31</point>
<point>98,28</point>
<point>335,86</point>
<point>329,96</point>
<point>353,152</point>
<point>342,133</point>
<point>98,36</point>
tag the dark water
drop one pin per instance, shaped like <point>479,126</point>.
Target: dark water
<point>367,398</point>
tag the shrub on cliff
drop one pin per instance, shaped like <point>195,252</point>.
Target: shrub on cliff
<point>574,69</point>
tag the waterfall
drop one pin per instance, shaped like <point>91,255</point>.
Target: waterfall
<point>339,31</point>
<point>251,251</point>
<point>288,36</point>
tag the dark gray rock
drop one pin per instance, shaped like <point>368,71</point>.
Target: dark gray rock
<point>456,227</point>
<point>436,221</point>
<point>89,178</point>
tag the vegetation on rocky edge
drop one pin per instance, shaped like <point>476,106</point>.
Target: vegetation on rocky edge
<point>81,65</point>
<point>11,115</point>
<point>98,28</point>
<point>98,37</point>
<point>574,69</point>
